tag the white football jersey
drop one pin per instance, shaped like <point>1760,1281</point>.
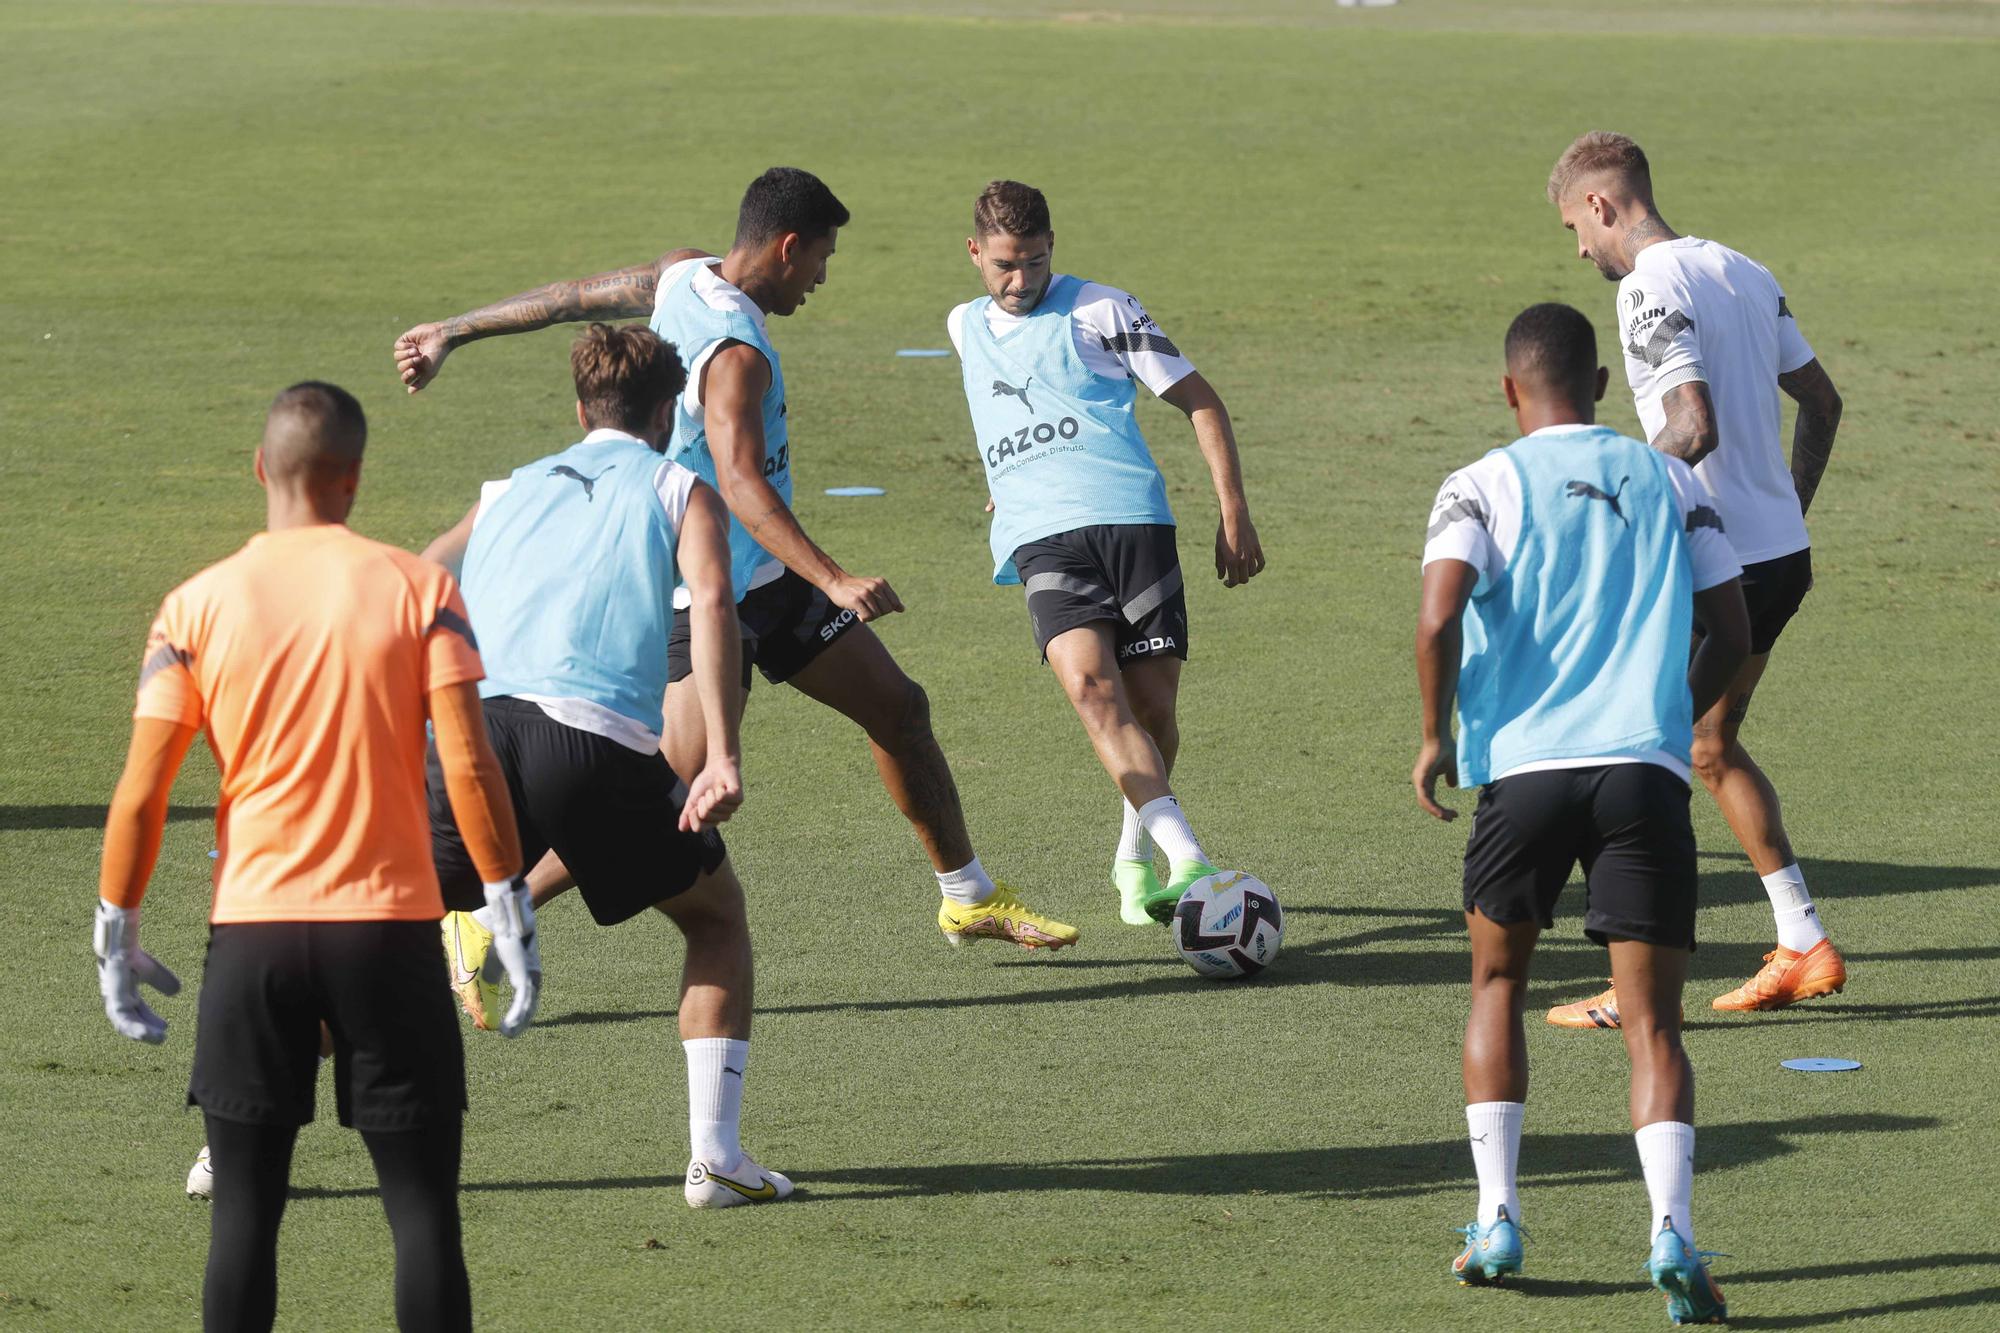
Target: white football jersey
<point>1113,333</point>
<point>1695,310</point>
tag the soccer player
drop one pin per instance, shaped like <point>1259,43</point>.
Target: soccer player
<point>803,615</point>
<point>1080,512</point>
<point>311,659</point>
<point>1560,577</point>
<point>1709,341</point>
<point>570,568</point>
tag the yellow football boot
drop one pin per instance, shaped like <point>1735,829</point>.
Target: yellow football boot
<point>466,946</point>
<point>1002,916</point>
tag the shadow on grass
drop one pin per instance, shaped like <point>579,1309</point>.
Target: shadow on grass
<point>81,816</point>
<point>1386,1171</point>
<point>1979,1006</point>
<point>1921,1263</point>
<point>1564,958</point>
<point>1833,880</point>
<point>1344,960</point>
<point>1954,1300</point>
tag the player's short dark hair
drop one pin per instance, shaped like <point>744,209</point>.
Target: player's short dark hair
<point>786,199</point>
<point>1553,346</point>
<point>1010,208</point>
<point>1597,153</point>
<point>313,427</point>
<point>623,375</point>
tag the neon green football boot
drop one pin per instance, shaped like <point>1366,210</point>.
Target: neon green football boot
<point>1160,904</point>
<point>1137,881</point>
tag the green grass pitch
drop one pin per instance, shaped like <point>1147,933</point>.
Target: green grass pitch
<point>1335,212</point>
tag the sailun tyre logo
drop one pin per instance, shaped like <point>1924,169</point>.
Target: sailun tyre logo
<point>1634,299</point>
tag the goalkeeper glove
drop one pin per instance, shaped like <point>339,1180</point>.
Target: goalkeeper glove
<point>510,915</point>
<point>121,966</point>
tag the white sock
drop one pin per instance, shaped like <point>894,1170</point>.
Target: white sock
<point>1168,827</point>
<point>1798,923</point>
<point>1666,1155</point>
<point>715,1099</point>
<point>1494,1129</point>
<point>968,884</point>
<point>1133,844</point>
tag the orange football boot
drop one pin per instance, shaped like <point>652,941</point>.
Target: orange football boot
<point>1599,1011</point>
<point>1789,976</point>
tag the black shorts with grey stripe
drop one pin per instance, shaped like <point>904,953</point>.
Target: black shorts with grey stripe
<point>786,624</point>
<point>1126,574</point>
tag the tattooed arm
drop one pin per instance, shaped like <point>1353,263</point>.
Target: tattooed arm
<point>1689,433</point>
<point>620,294</point>
<point>1812,436</point>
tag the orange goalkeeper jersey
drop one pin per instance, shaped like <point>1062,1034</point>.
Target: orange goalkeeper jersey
<point>307,658</point>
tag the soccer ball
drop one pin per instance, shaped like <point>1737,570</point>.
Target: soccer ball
<point>1228,924</point>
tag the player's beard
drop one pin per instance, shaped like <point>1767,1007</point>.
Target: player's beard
<point>1607,268</point>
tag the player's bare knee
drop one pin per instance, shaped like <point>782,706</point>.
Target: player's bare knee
<point>1492,983</point>
<point>1094,693</point>
<point>712,909</point>
<point>1710,754</point>
<point>913,719</point>
<point>899,718</point>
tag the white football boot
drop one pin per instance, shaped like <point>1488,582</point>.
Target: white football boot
<point>746,1182</point>
<point>201,1176</point>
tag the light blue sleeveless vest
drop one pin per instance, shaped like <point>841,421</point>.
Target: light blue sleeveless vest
<point>1580,648</point>
<point>692,326</point>
<point>1061,445</point>
<point>569,579</point>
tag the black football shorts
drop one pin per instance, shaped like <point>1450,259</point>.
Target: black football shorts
<point>1627,823</point>
<point>786,624</point>
<point>1127,574</point>
<point>611,813</point>
<point>1773,591</point>
<point>379,988</point>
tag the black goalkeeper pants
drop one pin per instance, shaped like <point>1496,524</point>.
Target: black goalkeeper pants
<point>418,1172</point>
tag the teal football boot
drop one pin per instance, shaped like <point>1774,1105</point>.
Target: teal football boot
<point>1492,1253</point>
<point>1682,1276</point>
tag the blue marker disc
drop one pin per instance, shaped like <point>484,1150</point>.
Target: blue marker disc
<point>1814,1064</point>
<point>923,351</point>
<point>855,490</point>
<point>215,853</point>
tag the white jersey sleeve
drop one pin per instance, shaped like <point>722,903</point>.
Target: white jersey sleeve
<point>1117,339</point>
<point>1661,342</point>
<point>1712,558</point>
<point>1793,349</point>
<point>954,324</point>
<point>673,484</point>
<point>1477,518</point>
<point>490,491</point>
